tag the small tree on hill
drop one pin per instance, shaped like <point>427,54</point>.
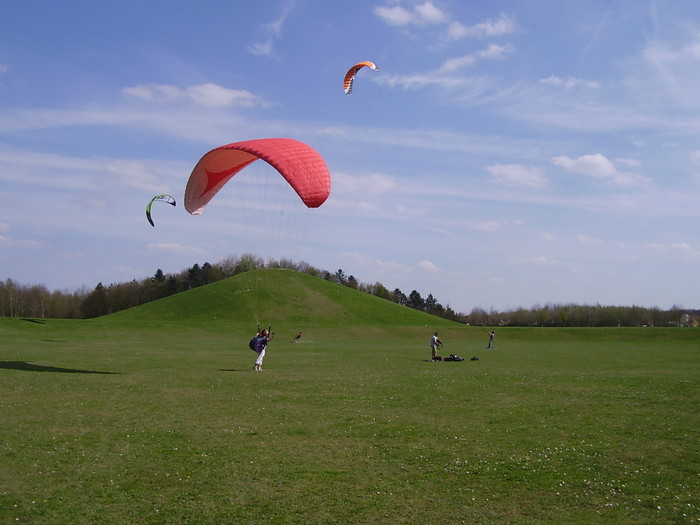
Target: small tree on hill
<point>415,301</point>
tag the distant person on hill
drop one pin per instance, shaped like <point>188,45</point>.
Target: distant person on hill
<point>492,334</point>
<point>435,344</point>
<point>259,344</point>
<point>296,337</point>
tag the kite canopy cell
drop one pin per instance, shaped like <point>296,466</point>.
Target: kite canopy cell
<point>164,197</point>
<point>301,166</point>
<point>350,75</point>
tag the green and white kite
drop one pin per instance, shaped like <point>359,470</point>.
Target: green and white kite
<point>164,197</point>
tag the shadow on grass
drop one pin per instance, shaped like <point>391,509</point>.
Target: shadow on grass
<point>233,370</point>
<point>29,367</point>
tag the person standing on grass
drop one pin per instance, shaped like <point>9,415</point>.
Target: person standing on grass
<point>259,345</point>
<point>492,334</point>
<point>435,343</point>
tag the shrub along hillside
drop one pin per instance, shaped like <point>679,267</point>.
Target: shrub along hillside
<point>272,296</point>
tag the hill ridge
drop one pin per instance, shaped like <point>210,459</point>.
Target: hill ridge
<point>273,295</point>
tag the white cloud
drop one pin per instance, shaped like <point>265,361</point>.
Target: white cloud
<point>503,25</point>
<point>127,270</point>
<point>426,13</point>
<point>599,166</point>
<point>683,247</point>
<point>671,70</point>
<point>396,16</point>
<point>533,261</point>
<point>89,178</point>
<point>492,52</point>
<point>630,180</point>
<point>421,80</point>
<point>9,242</point>
<point>370,184</point>
<point>518,175</point>
<point>211,95</point>
<point>659,53</point>
<point>570,82</point>
<point>385,268</point>
<point>488,226</point>
<point>675,251</point>
<point>204,95</point>
<point>427,266</point>
<point>174,248</point>
<point>677,247</point>
<point>131,173</point>
<point>595,165</point>
<point>272,32</point>
<point>584,239</point>
<point>406,210</point>
<point>445,76</point>
<point>391,267</point>
<point>154,92</point>
<point>629,162</point>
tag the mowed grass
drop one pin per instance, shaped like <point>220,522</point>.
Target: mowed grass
<point>156,416</point>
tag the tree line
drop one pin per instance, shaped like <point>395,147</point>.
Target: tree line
<point>36,301</point>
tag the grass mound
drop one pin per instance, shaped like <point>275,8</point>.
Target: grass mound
<point>285,296</point>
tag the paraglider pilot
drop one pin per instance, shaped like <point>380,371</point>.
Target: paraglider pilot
<point>259,344</point>
<point>435,343</point>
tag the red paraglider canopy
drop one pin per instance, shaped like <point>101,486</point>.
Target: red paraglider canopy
<point>300,164</point>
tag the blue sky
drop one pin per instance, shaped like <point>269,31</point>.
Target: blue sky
<point>506,154</point>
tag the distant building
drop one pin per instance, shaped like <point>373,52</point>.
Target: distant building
<point>690,320</point>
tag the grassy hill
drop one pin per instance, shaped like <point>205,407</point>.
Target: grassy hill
<point>273,296</point>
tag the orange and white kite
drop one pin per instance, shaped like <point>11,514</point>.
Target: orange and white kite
<point>350,75</point>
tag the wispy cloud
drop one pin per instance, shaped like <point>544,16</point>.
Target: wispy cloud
<point>502,25</point>
<point>518,175</point>
<point>636,95</point>
<point>426,13</point>
<point>533,261</point>
<point>80,174</point>
<point>447,75</point>
<point>585,239</point>
<point>367,184</point>
<point>272,32</point>
<point>204,95</point>
<point>676,249</point>
<point>599,166</point>
<point>11,242</point>
<point>491,226</point>
<point>174,248</point>
<point>492,52</point>
<point>415,17</point>
<point>569,82</point>
<point>674,67</point>
<point>488,226</point>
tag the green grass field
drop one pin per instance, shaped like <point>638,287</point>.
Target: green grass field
<point>154,415</point>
